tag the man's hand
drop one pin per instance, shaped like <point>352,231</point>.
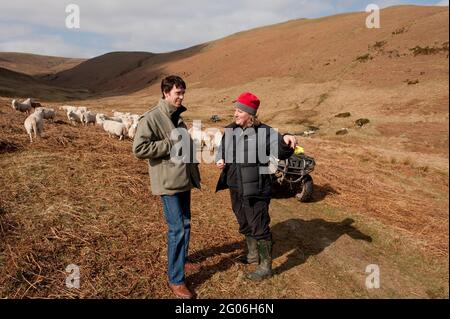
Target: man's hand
<point>290,140</point>
<point>221,164</point>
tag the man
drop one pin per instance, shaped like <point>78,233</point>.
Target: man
<point>172,180</point>
<point>244,146</point>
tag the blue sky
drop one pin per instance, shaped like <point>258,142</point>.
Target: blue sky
<point>153,25</point>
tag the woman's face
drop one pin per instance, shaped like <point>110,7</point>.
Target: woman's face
<point>241,118</point>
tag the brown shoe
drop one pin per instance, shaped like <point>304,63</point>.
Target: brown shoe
<point>191,267</point>
<point>181,291</point>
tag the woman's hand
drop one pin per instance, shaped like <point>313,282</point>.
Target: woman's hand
<point>290,140</point>
<point>220,164</point>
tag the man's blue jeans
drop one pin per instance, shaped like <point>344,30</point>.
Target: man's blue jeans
<point>177,210</point>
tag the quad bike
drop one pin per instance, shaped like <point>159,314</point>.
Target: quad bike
<point>294,173</point>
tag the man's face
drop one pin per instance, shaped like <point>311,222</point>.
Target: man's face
<point>240,117</point>
<point>175,96</point>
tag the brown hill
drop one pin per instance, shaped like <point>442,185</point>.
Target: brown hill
<point>19,85</point>
<point>314,50</point>
<point>94,74</point>
<point>34,64</point>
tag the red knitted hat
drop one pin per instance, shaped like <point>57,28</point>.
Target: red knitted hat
<point>247,102</point>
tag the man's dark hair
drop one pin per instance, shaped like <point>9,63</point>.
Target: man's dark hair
<point>168,82</point>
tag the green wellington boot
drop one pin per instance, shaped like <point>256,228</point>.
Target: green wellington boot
<point>252,256</point>
<point>264,269</point>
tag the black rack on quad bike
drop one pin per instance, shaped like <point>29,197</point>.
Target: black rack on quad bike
<point>295,172</point>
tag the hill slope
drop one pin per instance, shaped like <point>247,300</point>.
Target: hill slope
<point>34,64</point>
<point>311,50</point>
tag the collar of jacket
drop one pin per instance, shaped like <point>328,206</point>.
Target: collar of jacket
<point>169,109</point>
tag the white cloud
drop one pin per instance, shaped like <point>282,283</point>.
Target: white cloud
<point>12,31</point>
<point>46,45</point>
<point>442,3</point>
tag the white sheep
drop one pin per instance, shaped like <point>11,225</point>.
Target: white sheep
<point>74,116</point>
<point>132,130</point>
<point>210,139</point>
<point>88,117</point>
<point>127,122</point>
<point>207,142</point>
<point>49,113</point>
<point>22,107</point>
<point>114,118</point>
<point>68,108</point>
<point>135,118</point>
<point>120,114</point>
<point>115,128</point>
<point>100,118</point>
<point>35,123</point>
<point>196,135</point>
<point>32,102</point>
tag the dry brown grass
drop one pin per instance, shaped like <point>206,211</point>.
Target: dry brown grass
<point>79,197</point>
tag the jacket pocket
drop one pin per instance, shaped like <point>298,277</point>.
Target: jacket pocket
<point>174,176</point>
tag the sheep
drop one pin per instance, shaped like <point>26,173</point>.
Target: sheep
<point>35,123</point>
<point>74,116</point>
<point>22,107</point>
<point>88,117</point>
<point>32,103</point>
<point>207,141</point>
<point>115,128</point>
<point>132,130</point>
<point>127,122</point>
<point>135,118</point>
<point>120,114</point>
<point>115,119</point>
<point>49,113</point>
<point>196,135</point>
<point>210,139</point>
<point>100,118</point>
<point>68,108</point>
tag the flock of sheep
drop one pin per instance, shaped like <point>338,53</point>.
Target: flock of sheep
<point>120,124</point>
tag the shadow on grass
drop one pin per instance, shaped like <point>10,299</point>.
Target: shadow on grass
<point>305,238</point>
<point>319,192</point>
<point>301,238</point>
<point>206,272</point>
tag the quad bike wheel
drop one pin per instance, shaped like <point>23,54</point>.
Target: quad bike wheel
<point>306,189</point>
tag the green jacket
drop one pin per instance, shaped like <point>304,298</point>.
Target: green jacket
<point>152,142</point>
